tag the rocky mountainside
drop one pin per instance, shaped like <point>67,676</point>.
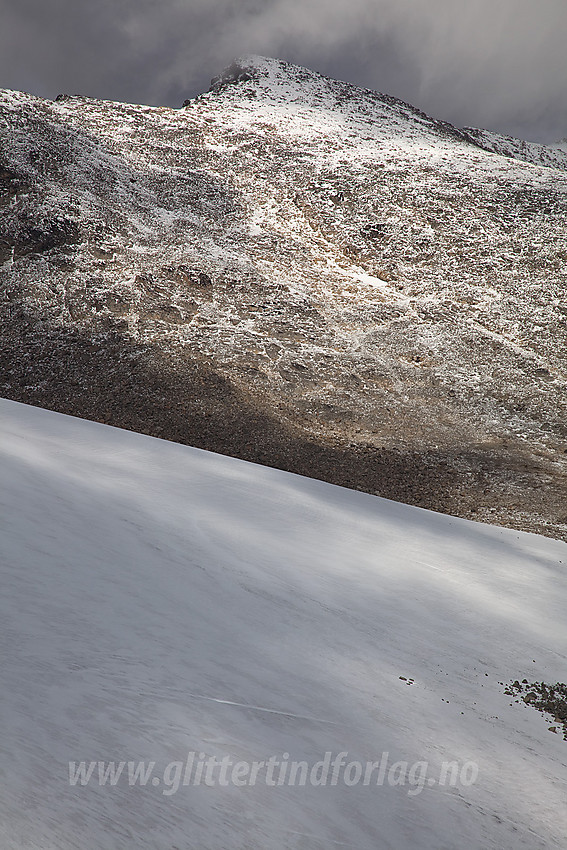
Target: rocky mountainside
<point>299,272</point>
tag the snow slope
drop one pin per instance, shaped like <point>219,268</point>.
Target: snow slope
<point>159,600</point>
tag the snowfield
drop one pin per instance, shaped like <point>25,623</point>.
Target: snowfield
<point>159,600</point>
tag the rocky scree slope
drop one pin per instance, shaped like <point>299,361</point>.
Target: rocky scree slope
<point>299,272</point>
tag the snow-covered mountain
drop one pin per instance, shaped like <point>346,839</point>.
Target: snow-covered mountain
<point>300,272</point>
<point>159,601</point>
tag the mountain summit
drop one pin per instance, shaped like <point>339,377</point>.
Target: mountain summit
<point>300,272</point>
<point>284,82</point>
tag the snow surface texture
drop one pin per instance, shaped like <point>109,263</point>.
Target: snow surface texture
<point>371,277</point>
<point>158,600</point>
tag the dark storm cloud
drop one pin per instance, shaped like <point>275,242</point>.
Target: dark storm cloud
<point>494,63</point>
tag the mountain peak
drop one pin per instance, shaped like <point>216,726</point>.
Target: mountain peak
<point>277,79</point>
<point>254,67</point>
<point>299,89</point>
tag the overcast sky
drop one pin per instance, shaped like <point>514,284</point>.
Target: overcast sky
<point>499,64</point>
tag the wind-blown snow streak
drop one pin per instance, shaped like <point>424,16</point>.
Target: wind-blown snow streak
<point>138,574</point>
